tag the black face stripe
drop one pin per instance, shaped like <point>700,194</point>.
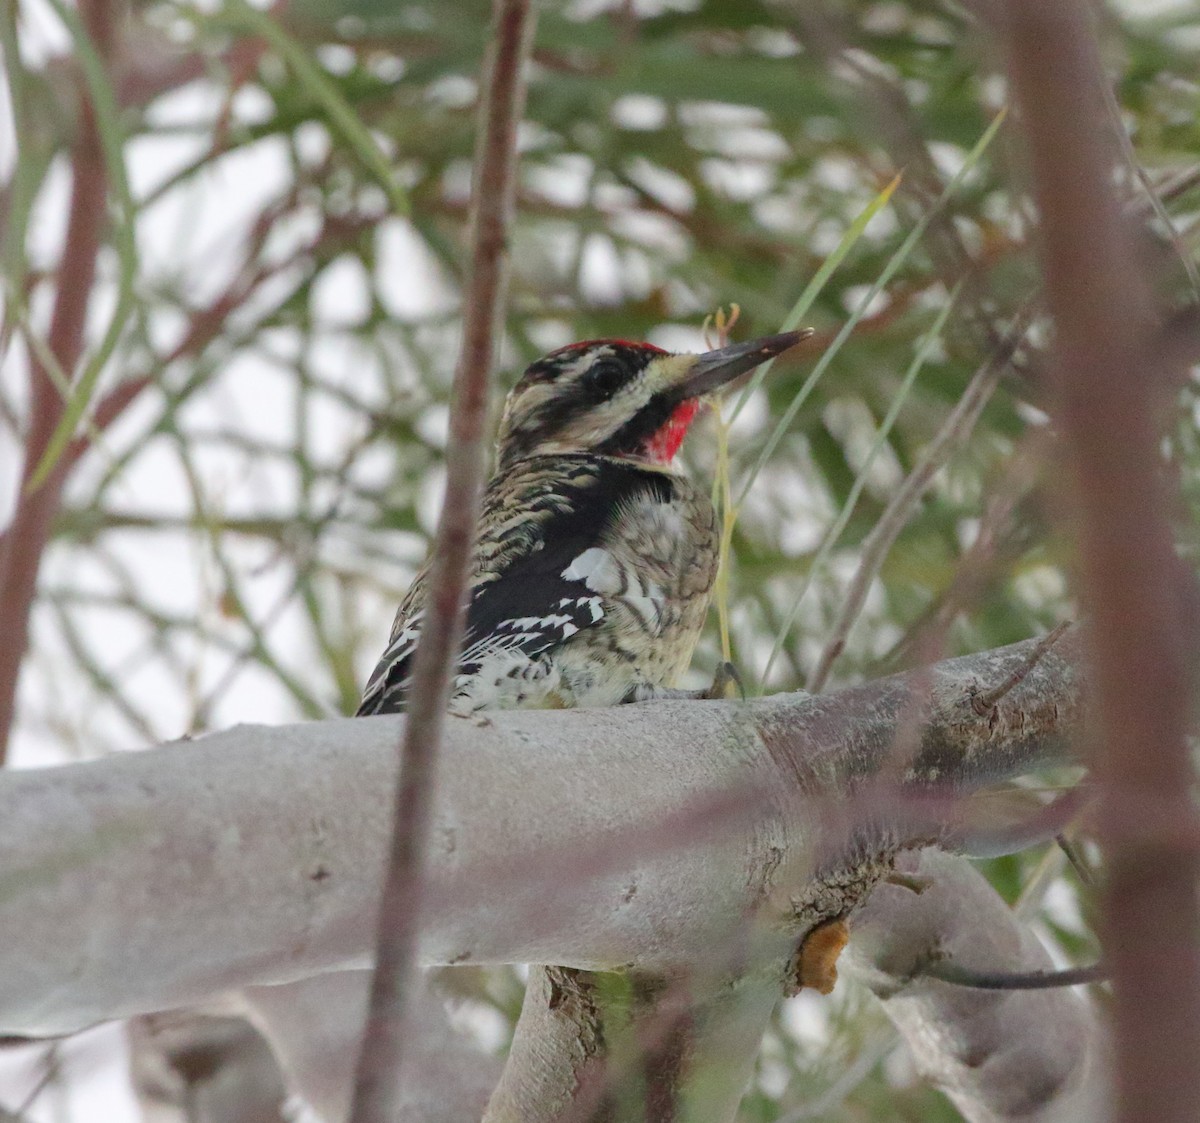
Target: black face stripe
<point>549,369</point>
<point>633,356</point>
<point>544,370</point>
<point>633,435</point>
<point>614,366</point>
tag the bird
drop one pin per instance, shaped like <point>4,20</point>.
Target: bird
<point>595,556</point>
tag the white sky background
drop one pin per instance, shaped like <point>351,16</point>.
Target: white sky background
<point>192,238</point>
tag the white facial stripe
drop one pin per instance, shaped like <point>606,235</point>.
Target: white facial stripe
<point>525,415</point>
<point>579,367</point>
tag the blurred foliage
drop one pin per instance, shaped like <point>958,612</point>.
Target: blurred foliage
<point>234,544</point>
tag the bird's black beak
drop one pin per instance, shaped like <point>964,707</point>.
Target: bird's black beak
<point>715,369</point>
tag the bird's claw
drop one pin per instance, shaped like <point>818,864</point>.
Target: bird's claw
<point>727,684</point>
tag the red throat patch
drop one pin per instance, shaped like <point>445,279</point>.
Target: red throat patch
<point>662,447</point>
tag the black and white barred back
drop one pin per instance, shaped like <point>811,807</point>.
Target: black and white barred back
<point>590,584</point>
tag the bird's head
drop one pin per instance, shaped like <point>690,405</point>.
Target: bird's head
<point>616,398</point>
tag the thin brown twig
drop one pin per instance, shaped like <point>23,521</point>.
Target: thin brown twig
<point>1076,860</point>
<point>955,429</point>
<point>997,543</point>
<point>378,1073</point>
<point>158,67</point>
<point>947,971</point>
<point>1109,398</point>
<point>1150,196</point>
<point>982,703</point>
<point>1180,183</point>
<point>205,324</point>
<point>25,538</point>
<point>831,32</point>
<point>1049,822</point>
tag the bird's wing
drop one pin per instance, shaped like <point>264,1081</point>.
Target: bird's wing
<point>541,573</point>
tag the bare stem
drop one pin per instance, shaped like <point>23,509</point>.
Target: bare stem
<point>1110,386</point>
<point>377,1078</point>
<point>955,429</point>
<point>962,976</point>
<point>983,703</point>
<point>24,540</point>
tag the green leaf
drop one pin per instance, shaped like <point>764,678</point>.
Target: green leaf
<point>324,91</point>
<point>889,270</point>
<point>112,139</point>
<point>832,535</point>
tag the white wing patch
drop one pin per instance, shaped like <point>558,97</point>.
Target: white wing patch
<point>602,573</point>
<point>598,570</point>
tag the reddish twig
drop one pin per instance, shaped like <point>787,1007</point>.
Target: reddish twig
<point>24,540</point>
<point>957,426</point>
<point>161,69</point>
<point>1109,385</point>
<point>995,546</point>
<point>1049,822</point>
<point>206,324</point>
<point>377,1078</point>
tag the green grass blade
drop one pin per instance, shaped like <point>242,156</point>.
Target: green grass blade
<point>813,289</point>
<point>108,126</point>
<point>325,93</point>
<point>28,173</point>
<point>885,427</point>
<point>889,270</point>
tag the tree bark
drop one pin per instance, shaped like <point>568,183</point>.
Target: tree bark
<point>315,1027</point>
<point>1002,1056</point>
<point>624,838</point>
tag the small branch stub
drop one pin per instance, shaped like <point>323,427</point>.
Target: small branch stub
<point>983,703</point>
<point>815,964</point>
<point>947,971</point>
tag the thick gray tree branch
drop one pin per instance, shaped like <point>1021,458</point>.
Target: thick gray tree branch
<point>629,837</point>
<point>683,1042</point>
<point>315,1025</point>
<point>689,1047</point>
<point>1001,1056</point>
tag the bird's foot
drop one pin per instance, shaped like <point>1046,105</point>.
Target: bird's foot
<point>477,718</point>
<point>726,686</point>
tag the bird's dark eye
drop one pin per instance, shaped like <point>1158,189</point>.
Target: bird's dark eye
<point>605,377</point>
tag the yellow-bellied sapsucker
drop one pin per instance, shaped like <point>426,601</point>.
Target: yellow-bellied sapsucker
<point>594,560</point>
